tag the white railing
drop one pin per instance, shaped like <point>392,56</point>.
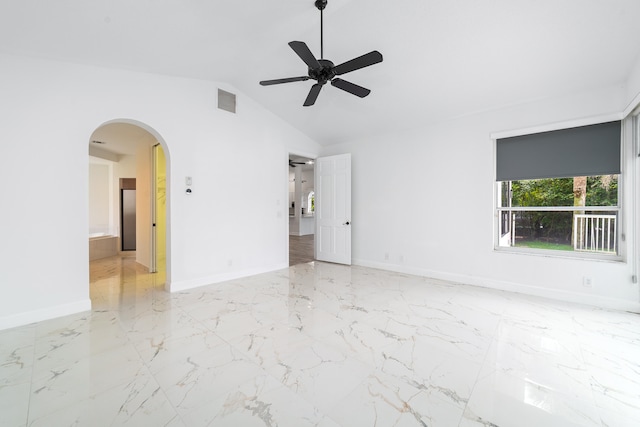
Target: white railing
<point>594,233</point>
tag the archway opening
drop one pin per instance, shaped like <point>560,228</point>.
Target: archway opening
<point>128,176</point>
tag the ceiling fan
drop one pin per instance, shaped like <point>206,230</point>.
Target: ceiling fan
<point>293,164</point>
<point>323,71</point>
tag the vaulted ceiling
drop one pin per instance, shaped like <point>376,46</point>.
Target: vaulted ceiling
<point>442,59</point>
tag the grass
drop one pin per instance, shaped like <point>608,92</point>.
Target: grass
<point>545,245</point>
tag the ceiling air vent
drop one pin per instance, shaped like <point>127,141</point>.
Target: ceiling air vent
<point>226,101</point>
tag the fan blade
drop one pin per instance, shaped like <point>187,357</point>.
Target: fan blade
<point>313,95</point>
<point>365,60</point>
<point>287,80</point>
<point>305,54</point>
<point>350,87</point>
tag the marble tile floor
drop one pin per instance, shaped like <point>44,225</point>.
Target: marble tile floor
<point>320,345</point>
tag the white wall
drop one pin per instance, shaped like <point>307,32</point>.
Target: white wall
<point>52,108</point>
<point>104,191</point>
<point>633,100</point>
<point>119,166</point>
<point>124,168</point>
<point>100,196</point>
<point>632,92</point>
<point>425,197</point>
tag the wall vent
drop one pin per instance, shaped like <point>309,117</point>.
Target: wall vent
<point>226,101</point>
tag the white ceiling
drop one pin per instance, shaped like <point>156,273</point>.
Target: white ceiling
<point>307,166</point>
<point>442,58</point>
<point>121,138</point>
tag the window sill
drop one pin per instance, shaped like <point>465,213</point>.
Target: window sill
<point>546,253</point>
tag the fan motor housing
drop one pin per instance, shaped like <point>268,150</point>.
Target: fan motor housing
<point>324,74</point>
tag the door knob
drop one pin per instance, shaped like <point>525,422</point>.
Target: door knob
<point>346,223</point>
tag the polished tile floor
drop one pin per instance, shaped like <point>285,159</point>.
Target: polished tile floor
<point>300,249</point>
<point>320,345</point>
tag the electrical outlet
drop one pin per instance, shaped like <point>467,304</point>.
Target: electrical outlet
<point>386,256</point>
<point>587,282</point>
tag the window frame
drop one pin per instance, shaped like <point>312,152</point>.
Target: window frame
<point>499,210</point>
<point>619,256</point>
<point>311,202</point>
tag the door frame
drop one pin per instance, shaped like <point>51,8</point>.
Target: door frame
<point>286,207</point>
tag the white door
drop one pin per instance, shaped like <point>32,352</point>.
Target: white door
<point>333,209</point>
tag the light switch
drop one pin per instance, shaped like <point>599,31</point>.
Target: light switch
<point>187,180</point>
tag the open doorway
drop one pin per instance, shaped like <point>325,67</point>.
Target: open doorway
<point>301,209</point>
<point>127,152</point>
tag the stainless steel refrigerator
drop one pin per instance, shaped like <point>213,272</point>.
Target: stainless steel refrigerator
<point>128,219</point>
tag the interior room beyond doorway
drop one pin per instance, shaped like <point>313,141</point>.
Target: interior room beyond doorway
<point>127,158</point>
<point>301,209</point>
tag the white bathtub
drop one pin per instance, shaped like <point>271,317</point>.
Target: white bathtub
<point>93,235</point>
<point>102,245</point>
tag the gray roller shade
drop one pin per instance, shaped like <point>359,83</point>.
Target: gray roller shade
<point>581,151</point>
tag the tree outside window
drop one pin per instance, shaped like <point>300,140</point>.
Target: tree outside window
<point>560,213</point>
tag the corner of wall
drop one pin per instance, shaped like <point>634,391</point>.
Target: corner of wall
<point>553,294</point>
<point>183,285</point>
<point>633,88</point>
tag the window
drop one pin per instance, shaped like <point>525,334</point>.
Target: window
<point>311,202</point>
<point>559,191</point>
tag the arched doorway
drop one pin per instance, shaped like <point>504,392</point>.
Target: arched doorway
<point>132,158</point>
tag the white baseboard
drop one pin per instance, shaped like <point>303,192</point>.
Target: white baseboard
<point>183,285</point>
<point>29,317</point>
<point>560,295</point>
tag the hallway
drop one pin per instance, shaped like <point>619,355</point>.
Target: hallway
<point>300,249</point>
<point>114,279</point>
